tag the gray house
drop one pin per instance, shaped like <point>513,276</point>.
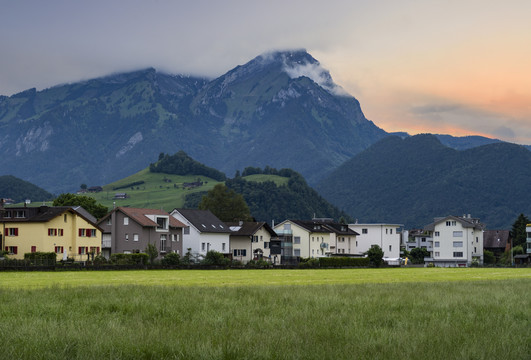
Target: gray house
<point>129,230</point>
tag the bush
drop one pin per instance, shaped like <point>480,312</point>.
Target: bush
<point>258,264</point>
<point>417,255</point>
<point>215,258</point>
<point>375,255</point>
<point>309,263</point>
<point>171,259</point>
<point>130,259</point>
<point>41,258</point>
<point>488,257</point>
<point>338,262</point>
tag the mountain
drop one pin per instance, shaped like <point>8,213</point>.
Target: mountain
<point>20,190</point>
<point>280,109</point>
<point>415,179</point>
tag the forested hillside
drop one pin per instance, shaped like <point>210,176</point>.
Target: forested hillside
<point>415,179</point>
<point>19,190</point>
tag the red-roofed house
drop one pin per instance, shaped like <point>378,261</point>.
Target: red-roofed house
<point>129,230</point>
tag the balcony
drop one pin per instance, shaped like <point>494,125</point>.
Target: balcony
<point>106,243</point>
<point>284,232</point>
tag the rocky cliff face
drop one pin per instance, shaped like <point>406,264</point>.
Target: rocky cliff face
<point>280,109</point>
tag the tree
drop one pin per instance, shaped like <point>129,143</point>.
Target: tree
<point>518,232</point>
<point>226,204</point>
<point>86,202</point>
<point>488,257</point>
<point>418,254</point>
<point>215,258</point>
<point>83,186</point>
<point>375,255</point>
<point>152,252</point>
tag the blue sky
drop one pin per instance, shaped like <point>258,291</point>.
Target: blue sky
<point>454,67</point>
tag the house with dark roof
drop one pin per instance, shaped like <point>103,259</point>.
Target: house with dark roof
<point>203,231</point>
<point>457,241</point>
<point>251,241</point>
<point>316,238</point>
<point>129,230</point>
<point>69,231</point>
<point>497,241</point>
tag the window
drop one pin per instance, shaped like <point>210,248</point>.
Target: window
<point>240,252</point>
<point>87,232</point>
<point>390,247</point>
<point>126,220</point>
<point>297,252</point>
<point>313,251</point>
<point>458,254</point>
<point>222,246</point>
<point>313,238</point>
<point>95,250</point>
<point>437,254</point>
<point>61,232</point>
<point>135,237</point>
<point>287,226</point>
<point>451,223</point>
<point>266,245</point>
<point>52,232</point>
<point>202,246</point>
<point>386,231</point>
<point>364,231</point>
<point>255,238</point>
<point>59,249</point>
<point>20,214</point>
<point>64,217</point>
<point>475,251</point>
<point>163,243</point>
<point>109,221</point>
<point>437,233</point>
<point>458,244</point>
<point>126,237</point>
<point>477,239</point>
<point>390,231</point>
<point>437,244</point>
<point>458,234</point>
<point>162,223</point>
<point>12,250</point>
<point>82,250</point>
<point>7,214</point>
<point>12,231</point>
<point>297,240</point>
<point>186,230</point>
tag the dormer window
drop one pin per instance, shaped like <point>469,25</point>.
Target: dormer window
<point>20,214</point>
<point>162,223</point>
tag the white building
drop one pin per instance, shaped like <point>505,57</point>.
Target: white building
<point>203,231</point>
<point>250,241</point>
<point>317,238</point>
<point>386,236</point>
<point>457,241</point>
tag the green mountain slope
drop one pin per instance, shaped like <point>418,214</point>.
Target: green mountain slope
<point>20,190</point>
<point>415,179</point>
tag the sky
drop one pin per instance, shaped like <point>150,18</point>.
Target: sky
<point>447,67</point>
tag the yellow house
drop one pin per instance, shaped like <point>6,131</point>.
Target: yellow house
<point>70,232</point>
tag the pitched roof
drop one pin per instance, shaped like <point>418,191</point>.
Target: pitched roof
<point>496,238</point>
<point>320,226</point>
<point>140,216</point>
<point>47,213</point>
<point>248,228</point>
<point>466,222</point>
<point>204,220</point>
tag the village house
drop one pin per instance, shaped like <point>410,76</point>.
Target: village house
<point>497,241</point>
<point>250,240</point>
<point>316,238</point>
<point>386,236</point>
<point>130,230</point>
<point>457,241</point>
<point>203,232</point>
<point>69,231</point>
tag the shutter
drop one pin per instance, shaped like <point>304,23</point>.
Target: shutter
<point>98,249</point>
<point>7,248</point>
<point>79,232</point>
<point>49,232</point>
<point>79,250</point>
<point>33,249</point>
<point>15,250</point>
<point>16,231</point>
<point>244,252</point>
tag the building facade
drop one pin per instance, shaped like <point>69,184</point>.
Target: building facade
<point>130,230</point>
<point>457,241</point>
<point>68,231</point>
<point>250,241</point>
<point>386,236</point>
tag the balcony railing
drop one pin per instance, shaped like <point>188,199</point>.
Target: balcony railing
<point>106,243</point>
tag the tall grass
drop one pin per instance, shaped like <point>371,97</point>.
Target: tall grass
<point>419,320</point>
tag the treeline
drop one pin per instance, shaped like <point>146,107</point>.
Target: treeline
<point>182,164</point>
<point>266,171</point>
<point>294,200</point>
<point>19,190</point>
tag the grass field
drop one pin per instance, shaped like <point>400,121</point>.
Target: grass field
<point>267,314</point>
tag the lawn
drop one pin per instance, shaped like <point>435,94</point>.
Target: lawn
<point>267,314</point>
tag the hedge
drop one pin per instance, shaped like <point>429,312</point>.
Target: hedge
<point>338,262</point>
<point>124,259</point>
<point>48,258</point>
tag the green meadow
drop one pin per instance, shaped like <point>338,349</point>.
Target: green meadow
<point>401,313</point>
